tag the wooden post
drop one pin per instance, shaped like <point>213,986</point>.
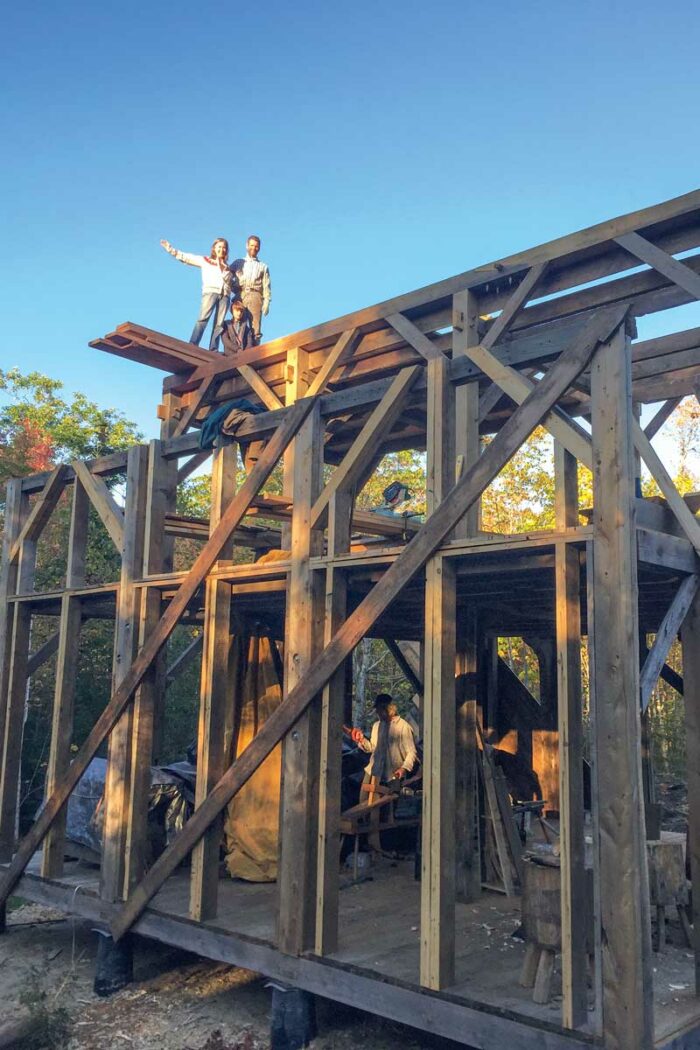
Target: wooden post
<point>18,578</point>
<point>296,384</point>
<point>465,324</point>
<point>114,876</point>
<point>66,670</point>
<point>622,872</point>
<point>300,752</point>
<point>437,923</point>
<point>215,697</point>
<point>467,839</point>
<point>690,637</point>
<point>149,699</point>
<point>332,716</point>
<point>16,509</point>
<point>570,725</point>
<point>332,713</point>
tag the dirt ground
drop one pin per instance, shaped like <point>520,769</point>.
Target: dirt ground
<point>177,1001</point>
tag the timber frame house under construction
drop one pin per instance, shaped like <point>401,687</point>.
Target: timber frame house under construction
<point>547,336</point>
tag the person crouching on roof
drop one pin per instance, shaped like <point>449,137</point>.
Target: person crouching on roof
<point>238,334</point>
<point>217,281</point>
<point>391,743</point>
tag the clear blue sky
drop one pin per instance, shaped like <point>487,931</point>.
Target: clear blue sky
<point>375,147</point>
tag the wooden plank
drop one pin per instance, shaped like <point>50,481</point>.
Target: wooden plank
<point>414,337</point>
<point>686,519</point>
<point>690,638</point>
<point>120,698</point>
<point>437,915</point>
<point>413,557</point>
<point>662,262</point>
<point>621,871</point>
<point>42,509</point>
<point>493,812</point>
<point>665,637</point>
<point>110,513</point>
<point>113,873</point>
<point>298,860</point>
<point>259,386</point>
<point>338,356</point>
<point>346,475</point>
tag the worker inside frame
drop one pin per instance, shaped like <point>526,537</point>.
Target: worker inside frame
<point>392,745</point>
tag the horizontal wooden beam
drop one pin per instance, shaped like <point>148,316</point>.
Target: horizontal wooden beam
<point>464,493</point>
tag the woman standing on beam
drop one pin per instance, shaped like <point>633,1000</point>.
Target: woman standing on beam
<point>217,282</point>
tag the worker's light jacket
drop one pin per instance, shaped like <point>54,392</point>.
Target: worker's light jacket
<point>215,279</point>
<point>392,746</point>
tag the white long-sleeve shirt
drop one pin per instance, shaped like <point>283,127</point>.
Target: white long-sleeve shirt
<point>216,276</point>
<point>392,746</point>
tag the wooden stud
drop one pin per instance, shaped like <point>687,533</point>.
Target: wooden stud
<point>622,872</point>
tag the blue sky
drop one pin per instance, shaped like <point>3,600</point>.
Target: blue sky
<point>375,147</point>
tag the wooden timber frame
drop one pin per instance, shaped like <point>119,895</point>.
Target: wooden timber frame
<point>465,369</point>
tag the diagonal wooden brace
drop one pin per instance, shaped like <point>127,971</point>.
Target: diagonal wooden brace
<point>122,695</point>
<point>466,491</point>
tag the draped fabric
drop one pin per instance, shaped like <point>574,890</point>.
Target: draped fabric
<point>251,823</point>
